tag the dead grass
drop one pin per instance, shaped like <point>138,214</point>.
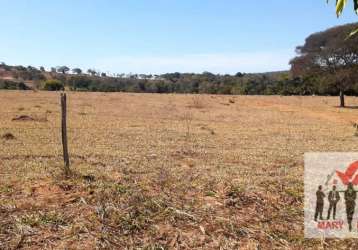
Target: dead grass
<point>214,177</point>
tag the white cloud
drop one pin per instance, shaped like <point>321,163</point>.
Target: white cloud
<point>216,63</point>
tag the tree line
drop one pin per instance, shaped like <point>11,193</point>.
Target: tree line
<point>273,83</point>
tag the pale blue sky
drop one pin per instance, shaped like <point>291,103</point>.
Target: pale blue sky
<point>156,36</point>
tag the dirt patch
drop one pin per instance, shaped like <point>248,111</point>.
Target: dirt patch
<point>8,136</point>
<point>25,118</point>
<point>46,194</point>
<point>211,131</point>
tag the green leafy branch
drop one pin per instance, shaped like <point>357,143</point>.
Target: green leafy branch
<point>340,5</point>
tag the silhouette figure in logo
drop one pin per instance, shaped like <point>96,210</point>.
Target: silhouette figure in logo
<point>350,196</point>
<point>319,203</point>
<point>333,198</point>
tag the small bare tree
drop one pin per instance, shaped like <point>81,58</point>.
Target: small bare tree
<point>187,119</point>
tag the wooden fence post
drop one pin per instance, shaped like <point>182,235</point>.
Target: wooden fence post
<point>64,133</point>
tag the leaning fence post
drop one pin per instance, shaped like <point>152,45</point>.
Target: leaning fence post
<point>64,133</point>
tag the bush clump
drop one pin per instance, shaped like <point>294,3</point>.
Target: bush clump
<point>53,85</point>
<point>13,85</point>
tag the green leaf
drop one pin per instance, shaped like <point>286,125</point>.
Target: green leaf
<point>340,4</point>
<point>356,6</point>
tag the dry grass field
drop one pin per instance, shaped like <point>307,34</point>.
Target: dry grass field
<point>157,171</point>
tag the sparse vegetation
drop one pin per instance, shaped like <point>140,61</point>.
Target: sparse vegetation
<point>197,102</point>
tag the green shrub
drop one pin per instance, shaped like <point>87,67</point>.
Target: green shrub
<point>12,85</point>
<point>53,85</point>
